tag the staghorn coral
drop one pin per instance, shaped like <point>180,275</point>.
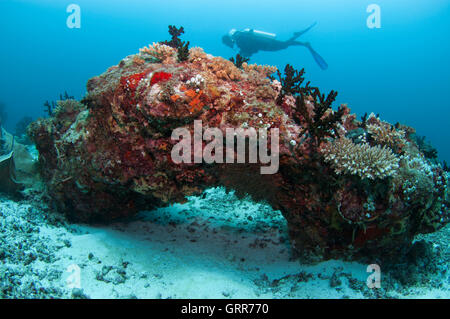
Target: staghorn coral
<point>363,160</point>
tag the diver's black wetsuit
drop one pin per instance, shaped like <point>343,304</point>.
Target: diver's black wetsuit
<point>250,43</point>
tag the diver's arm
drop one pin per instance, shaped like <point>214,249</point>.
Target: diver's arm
<point>245,44</point>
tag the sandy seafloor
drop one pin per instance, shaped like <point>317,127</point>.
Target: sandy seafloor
<point>213,246</point>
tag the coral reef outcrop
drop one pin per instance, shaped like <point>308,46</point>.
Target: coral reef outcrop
<point>347,190</point>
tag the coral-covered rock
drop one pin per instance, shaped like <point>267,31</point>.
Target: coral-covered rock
<point>109,155</point>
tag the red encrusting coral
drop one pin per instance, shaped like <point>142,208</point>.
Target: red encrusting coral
<point>128,85</point>
<point>160,77</point>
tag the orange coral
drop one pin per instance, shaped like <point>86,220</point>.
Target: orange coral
<point>190,93</point>
<point>196,103</point>
<point>174,98</point>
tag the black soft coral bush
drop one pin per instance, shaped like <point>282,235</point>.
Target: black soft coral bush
<point>176,43</point>
<point>175,32</point>
<point>239,60</point>
<point>322,123</point>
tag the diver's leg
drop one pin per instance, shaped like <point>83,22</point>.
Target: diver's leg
<point>299,43</point>
<point>319,60</point>
<point>297,34</point>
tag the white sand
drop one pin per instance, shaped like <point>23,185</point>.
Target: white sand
<point>212,247</point>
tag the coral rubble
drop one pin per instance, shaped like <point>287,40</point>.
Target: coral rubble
<point>346,189</point>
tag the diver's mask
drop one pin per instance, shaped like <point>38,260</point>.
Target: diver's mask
<point>228,39</point>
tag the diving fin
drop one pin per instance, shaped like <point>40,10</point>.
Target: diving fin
<point>319,60</point>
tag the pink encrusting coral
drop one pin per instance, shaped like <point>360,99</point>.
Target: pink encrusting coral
<point>345,189</point>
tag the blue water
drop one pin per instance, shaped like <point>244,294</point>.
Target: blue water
<point>401,71</point>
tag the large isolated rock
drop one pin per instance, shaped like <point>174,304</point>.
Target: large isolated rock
<point>363,190</point>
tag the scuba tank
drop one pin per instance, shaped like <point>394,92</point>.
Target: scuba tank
<point>261,34</point>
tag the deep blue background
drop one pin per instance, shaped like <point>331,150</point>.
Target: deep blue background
<point>400,71</point>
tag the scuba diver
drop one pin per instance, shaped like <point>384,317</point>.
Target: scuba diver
<point>251,41</point>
